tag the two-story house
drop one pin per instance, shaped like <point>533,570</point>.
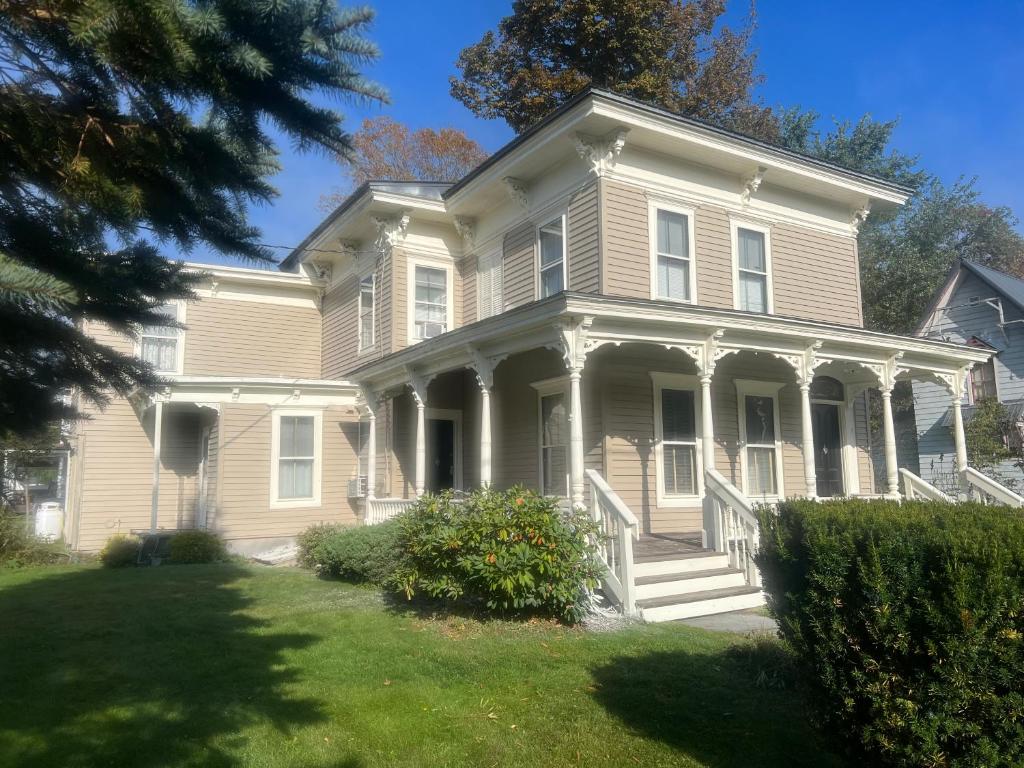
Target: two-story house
<point>621,308</point>
<point>984,308</point>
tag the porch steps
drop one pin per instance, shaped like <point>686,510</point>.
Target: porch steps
<point>676,579</point>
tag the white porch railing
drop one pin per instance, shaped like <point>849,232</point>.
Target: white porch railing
<point>989,490</point>
<point>915,487</point>
<point>619,527</point>
<point>735,528</point>
<point>379,510</point>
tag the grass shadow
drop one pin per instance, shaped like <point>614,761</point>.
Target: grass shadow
<point>155,667</point>
<point>728,708</point>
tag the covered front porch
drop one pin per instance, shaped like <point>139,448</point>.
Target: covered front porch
<point>661,418</point>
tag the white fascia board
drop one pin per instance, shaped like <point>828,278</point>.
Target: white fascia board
<point>254,276</point>
<point>256,390</point>
<point>715,142</point>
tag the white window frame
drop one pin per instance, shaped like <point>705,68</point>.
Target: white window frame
<point>995,380</point>
<point>546,388</point>
<point>493,303</point>
<point>736,225</point>
<point>653,207</point>
<point>275,457</point>
<point>662,381</point>
<point>179,351</point>
<point>770,389</point>
<point>429,263</point>
<point>564,216</point>
<point>372,277</point>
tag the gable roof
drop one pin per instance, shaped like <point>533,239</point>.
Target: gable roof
<point>1010,287</point>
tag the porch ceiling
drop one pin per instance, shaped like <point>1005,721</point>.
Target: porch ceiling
<point>575,324</point>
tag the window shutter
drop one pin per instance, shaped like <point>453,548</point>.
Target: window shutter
<point>488,285</point>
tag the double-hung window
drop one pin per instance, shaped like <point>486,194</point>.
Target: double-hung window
<point>367,295</point>
<point>551,247</point>
<point>553,432</point>
<point>296,458</point>
<point>753,269</point>
<point>677,451</point>
<point>430,308</point>
<point>760,438</point>
<point>983,380</point>
<point>160,344</point>
<point>672,257</point>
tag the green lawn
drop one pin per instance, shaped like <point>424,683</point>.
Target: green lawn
<point>228,665</point>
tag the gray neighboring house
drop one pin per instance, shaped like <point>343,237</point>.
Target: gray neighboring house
<point>981,307</point>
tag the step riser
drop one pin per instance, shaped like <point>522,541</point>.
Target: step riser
<point>702,608</point>
<point>685,565</point>
<point>690,585</point>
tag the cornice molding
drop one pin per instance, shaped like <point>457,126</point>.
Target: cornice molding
<point>600,152</point>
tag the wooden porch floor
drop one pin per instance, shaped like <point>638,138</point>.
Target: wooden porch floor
<point>666,546</point>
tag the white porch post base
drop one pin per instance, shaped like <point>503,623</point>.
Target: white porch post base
<point>807,438</point>
<point>889,433</point>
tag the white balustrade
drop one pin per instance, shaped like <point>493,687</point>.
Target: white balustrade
<point>915,487</point>
<point>988,490</point>
<point>379,510</point>
<point>619,527</point>
<point>736,529</point>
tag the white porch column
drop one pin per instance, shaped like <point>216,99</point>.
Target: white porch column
<point>575,437</point>
<point>371,455</point>
<point>421,447</point>
<point>889,432</point>
<point>485,436</point>
<point>707,423</point>
<point>959,438</point>
<point>158,421</point>
<point>807,437</point>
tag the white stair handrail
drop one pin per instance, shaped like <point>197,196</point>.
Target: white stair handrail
<point>915,487</point>
<point>736,529</point>
<point>990,488</point>
<point>619,527</point>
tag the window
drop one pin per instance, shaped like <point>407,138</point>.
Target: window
<point>672,257</point>
<point>553,435</point>
<point>552,257</point>
<point>366,312</point>
<point>753,269</point>
<point>295,477</point>
<point>760,438</point>
<point>488,284</point>
<point>677,450</point>
<point>983,380</point>
<point>431,303</point>
<point>161,345</point>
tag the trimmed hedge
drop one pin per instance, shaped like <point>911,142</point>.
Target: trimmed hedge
<point>120,551</point>
<point>366,553</point>
<point>513,551</point>
<point>190,547</point>
<point>907,621</point>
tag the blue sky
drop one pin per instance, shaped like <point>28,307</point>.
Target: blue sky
<point>951,71</point>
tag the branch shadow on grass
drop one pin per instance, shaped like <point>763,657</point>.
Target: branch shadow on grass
<point>727,709</point>
<point>156,667</point>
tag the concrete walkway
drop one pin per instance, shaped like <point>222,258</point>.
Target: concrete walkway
<point>741,622</point>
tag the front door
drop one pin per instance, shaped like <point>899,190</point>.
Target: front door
<point>440,454</point>
<point>828,449</point>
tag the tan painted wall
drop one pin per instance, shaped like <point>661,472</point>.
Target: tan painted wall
<point>229,337</point>
<point>815,275</point>
<point>243,510</point>
<point>518,266</point>
<point>466,273</point>
<point>584,241</point>
<point>341,328</point>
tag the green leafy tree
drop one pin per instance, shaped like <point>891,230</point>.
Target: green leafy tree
<point>128,124</point>
<point>674,53</point>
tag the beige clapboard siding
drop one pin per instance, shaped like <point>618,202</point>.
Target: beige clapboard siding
<point>713,251</point>
<point>115,487</point>
<point>244,506</point>
<point>865,466</point>
<point>341,328</point>
<point>400,300</point>
<point>518,266</point>
<point>386,303</point>
<point>583,241</point>
<point>228,337</point>
<point>626,268</point>
<point>815,275</point>
<point>466,271</point>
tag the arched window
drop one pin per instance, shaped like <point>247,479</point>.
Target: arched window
<point>827,388</point>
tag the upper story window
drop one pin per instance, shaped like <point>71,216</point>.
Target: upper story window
<point>431,303</point>
<point>672,264</point>
<point>551,239</point>
<point>677,455</point>
<point>161,345</point>
<point>983,380</point>
<point>367,310</point>
<point>760,438</point>
<point>488,284</point>
<point>295,479</point>
<point>753,280</point>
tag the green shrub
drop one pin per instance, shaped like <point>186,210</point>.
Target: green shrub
<point>20,547</point>
<point>364,553</point>
<point>512,551</point>
<point>310,540</point>
<point>120,551</point>
<point>189,547</point>
<point>907,621</point>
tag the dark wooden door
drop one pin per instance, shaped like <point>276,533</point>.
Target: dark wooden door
<point>828,449</point>
<point>441,447</point>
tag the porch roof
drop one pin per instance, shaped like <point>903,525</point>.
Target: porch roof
<point>211,391</point>
<point>575,324</point>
